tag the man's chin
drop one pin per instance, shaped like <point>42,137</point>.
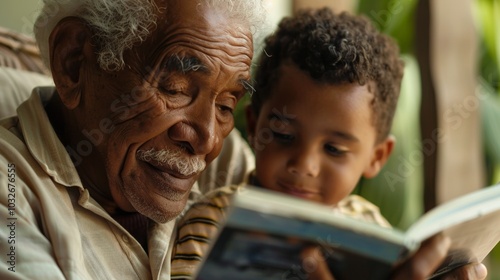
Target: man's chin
<point>161,210</point>
<point>162,218</point>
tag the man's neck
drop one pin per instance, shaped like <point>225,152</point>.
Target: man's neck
<point>100,194</point>
<point>90,167</point>
<point>56,113</point>
<point>136,224</point>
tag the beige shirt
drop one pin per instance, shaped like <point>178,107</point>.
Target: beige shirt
<point>52,229</point>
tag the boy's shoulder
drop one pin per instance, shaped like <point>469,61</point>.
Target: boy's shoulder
<point>221,196</point>
<point>359,208</point>
<point>353,206</point>
<point>212,204</point>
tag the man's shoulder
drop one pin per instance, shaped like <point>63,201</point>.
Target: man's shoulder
<point>17,86</point>
<point>12,143</point>
<point>10,125</point>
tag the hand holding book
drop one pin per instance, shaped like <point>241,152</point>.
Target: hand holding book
<point>424,262</point>
<point>429,257</point>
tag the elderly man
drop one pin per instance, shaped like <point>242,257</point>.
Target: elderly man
<point>103,164</point>
<point>95,171</point>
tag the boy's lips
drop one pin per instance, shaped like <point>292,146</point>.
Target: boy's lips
<point>298,191</point>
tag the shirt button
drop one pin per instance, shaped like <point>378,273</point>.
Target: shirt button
<point>125,238</point>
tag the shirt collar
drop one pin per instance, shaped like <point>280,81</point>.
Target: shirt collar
<point>42,140</point>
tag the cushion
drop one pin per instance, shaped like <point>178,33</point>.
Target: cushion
<point>20,51</point>
<point>16,86</point>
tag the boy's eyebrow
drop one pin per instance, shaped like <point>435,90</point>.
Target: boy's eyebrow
<point>346,136</point>
<point>276,115</point>
<point>340,134</point>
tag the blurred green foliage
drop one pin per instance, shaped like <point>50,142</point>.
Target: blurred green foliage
<point>398,189</point>
<point>487,15</point>
<point>393,17</point>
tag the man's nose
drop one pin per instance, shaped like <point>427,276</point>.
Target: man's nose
<point>304,162</point>
<point>198,131</point>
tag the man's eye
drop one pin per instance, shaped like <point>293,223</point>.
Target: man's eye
<point>173,88</point>
<point>283,137</point>
<point>171,91</point>
<point>334,151</point>
<point>226,109</point>
<point>175,97</point>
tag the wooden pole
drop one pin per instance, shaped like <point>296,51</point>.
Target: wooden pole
<point>428,108</point>
<point>450,117</point>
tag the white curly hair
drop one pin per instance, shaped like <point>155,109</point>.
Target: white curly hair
<point>119,24</point>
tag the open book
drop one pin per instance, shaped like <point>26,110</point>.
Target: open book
<point>266,231</point>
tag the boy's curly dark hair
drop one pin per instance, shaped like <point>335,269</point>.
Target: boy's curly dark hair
<point>334,49</point>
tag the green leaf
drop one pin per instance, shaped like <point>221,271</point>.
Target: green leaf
<point>392,17</point>
<point>487,15</point>
<point>490,114</point>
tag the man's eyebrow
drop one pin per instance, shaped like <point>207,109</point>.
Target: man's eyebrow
<point>248,86</point>
<point>184,64</point>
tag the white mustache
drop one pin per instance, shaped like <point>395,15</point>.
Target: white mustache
<point>174,159</point>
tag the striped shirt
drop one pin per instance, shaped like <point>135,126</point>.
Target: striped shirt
<point>202,221</point>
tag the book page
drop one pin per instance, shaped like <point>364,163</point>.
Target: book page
<point>469,207</point>
<point>472,222</point>
<point>471,241</point>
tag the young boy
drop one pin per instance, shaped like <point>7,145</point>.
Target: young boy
<point>326,91</point>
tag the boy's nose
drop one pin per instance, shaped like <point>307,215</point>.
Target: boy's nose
<point>304,163</point>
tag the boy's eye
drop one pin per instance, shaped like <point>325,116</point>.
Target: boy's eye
<point>334,151</point>
<point>283,137</point>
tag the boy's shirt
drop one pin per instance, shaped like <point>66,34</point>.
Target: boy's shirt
<point>201,223</point>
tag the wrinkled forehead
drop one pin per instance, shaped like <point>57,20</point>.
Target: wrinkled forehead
<point>203,17</point>
<point>208,30</point>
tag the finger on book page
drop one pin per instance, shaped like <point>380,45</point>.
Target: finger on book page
<point>476,271</point>
<point>314,262</point>
<point>425,261</point>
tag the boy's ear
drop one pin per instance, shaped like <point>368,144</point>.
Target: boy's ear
<point>380,156</point>
<point>251,120</point>
<point>70,48</point>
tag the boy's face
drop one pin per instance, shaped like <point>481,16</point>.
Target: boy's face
<point>314,140</point>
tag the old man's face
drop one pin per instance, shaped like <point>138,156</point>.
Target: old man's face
<point>171,107</point>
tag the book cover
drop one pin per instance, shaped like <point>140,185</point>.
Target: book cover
<point>265,233</point>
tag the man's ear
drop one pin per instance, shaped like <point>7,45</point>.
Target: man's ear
<point>251,120</point>
<point>380,155</point>
<point>70,47</point>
